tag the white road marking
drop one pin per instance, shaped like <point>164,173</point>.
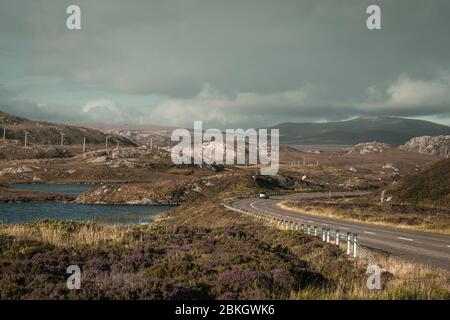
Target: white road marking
<point>368,232</point>
<point>406,239</point>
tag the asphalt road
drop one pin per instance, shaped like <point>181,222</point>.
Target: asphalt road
<point>426,248</point>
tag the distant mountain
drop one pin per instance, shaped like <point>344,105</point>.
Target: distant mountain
<point>395,131</point>
<point>46,133</point>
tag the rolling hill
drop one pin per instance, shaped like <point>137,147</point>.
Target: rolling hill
<point>46,133</point>
<point>391,130</point>
<point>431,186</point>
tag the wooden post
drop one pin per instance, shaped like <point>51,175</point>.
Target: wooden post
<point>62,139</point>
<point>337,237</point>
<point>151,143</point>
<point>348,242</point>
<point>26,136</point>
<point>84,144</point>
<point>118,144</point>
<point>106,143</point>
<point>4,134</point>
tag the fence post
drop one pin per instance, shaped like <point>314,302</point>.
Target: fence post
<point>315,231</point>
<point>355,244</point>
<point>337,237</point>
<point>348,243</point>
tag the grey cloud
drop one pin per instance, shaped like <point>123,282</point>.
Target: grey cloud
<point>264,61</point>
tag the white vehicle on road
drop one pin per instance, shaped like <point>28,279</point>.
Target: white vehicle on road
<point>263,195</point>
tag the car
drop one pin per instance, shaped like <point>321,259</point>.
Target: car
<point>263,195</point>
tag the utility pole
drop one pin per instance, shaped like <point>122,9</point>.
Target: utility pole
<point>62,139</point>
<point>84,144</point>
<point>26,136</point>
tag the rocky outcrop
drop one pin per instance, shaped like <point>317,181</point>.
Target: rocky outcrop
<point>369,147</point>
<point>274,182</point>
<point>437,145</point>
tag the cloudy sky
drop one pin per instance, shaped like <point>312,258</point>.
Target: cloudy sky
<point>229,63</point>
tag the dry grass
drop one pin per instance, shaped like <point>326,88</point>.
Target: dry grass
<point>439,225</point>
<point>68,234</point>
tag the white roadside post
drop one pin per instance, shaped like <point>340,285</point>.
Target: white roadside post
<point>315,231</point>
<point>303,227</point>
<point>348,242</point>
<point>328,235</point>
<point>324,234</point>
<point>337,237</point>
<point>355,244</point>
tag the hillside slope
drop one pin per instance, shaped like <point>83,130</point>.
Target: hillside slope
<point>430,187</point>
<point>391,130</point>
<point>40,132</point>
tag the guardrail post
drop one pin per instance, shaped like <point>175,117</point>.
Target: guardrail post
<point>337,237</point>
<point>315,231</point>
<point>348,242</point>
<point>355,244</point>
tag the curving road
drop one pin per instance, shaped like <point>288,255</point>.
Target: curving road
<point>426,248</point>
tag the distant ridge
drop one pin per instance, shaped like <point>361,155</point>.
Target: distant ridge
<point>391,130</point>
<point>47,133</point>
